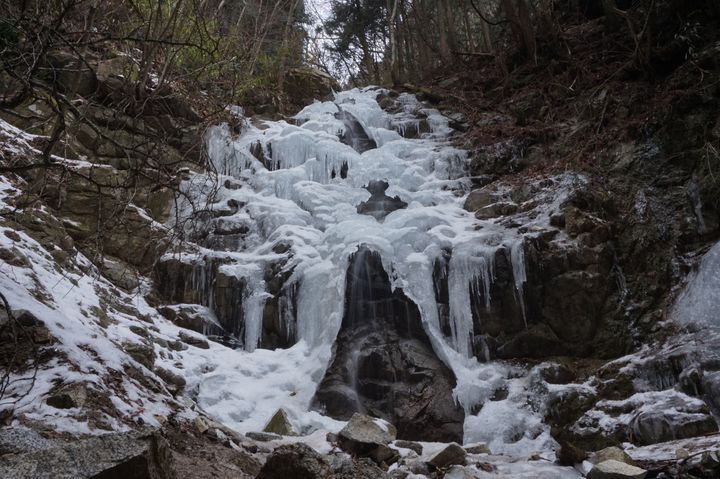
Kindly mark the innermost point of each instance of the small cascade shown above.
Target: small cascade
(384, 364)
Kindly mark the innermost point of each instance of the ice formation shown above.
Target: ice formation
(700, 300)
(299, 186)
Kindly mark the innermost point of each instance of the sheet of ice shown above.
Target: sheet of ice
(699, 302)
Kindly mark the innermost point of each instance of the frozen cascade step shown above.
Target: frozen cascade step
(301, 197)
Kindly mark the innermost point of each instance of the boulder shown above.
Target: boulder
(113, 456)
(297, 461)
(612, 469)
(280, 424)
(614, 453)
(362, 431)
(452, 454)
(396, 374)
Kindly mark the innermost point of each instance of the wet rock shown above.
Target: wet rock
(384, 363)
(379, 205)
(297, 461)
(612, 469)
(453, 454)
(280, 424)
(113, 456)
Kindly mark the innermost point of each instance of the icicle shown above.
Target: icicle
(517, 258)
(470, 272)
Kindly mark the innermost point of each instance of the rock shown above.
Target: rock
(480, 198)
(201, 424)
(394, 359)
(612, 469)
(280, 424)
(382, 454)
(363, 430)
(175, 382)
(263, 436)
(119, 273)
(412, 445)
(303, 85)
(113, 456)
(614, 453)
(195, 317)
(459, 472)
(363, 468)
(477, 449)
(569, 454)
(453, 454)
(379, 205)
(144, 353)
(193, 340)
(73, 395)
(20, 440)
(297, 461)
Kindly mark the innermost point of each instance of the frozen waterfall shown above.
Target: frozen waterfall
(298, 186)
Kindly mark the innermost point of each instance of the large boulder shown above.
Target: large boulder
(363, 431)
(297, 461)
(114, 456)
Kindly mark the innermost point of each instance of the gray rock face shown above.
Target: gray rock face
(384, 363)
(612, 469)
(379, 205)
(117, 456)
(297, 461)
